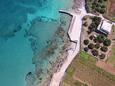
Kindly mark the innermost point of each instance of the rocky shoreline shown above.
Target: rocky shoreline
(56, 66)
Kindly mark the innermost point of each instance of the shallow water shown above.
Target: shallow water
(26, 27)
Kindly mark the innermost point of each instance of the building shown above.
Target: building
(105, 27)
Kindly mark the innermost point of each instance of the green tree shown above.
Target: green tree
(91, 37)
(100, 38)
(85, 24)
(102, 56)
(107, 42)
(104, 49)
(91, 46)
(95, 52)
(86, 49)
(97, 46)
(86, 41)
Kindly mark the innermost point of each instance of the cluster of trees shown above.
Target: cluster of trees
(100, 38)
(101, 42)
(94, 50)
(95, 22)
(107, 42)
(97, 6)
(97, 46)
(103, 39)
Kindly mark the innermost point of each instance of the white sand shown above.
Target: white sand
(74, 33)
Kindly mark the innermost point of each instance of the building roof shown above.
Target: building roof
(106, 26)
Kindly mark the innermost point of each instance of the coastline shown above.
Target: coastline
(61, 41)
(79, 13)
(57, 76)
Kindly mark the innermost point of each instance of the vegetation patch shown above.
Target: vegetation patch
(84, 55)
(98, 6)
(71, 71)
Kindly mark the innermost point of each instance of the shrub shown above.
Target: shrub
(95, 40)
(89, 32)
(102, 56)
(85, 24)
(102, 10)
(86, 42)
(100, 38)
(103, 6)
(100, 1)
(86, 49)
(92, 27)
(97, 20)
(95, 52)
(104, 49)
(91, 46)
(107, 42)
(97, 46)
(91, 37)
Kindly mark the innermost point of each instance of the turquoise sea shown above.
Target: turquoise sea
(27, 34)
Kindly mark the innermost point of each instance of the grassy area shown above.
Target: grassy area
(113, 19)
(71, 71)
(77, 83)
(84, 68)
(84, 55)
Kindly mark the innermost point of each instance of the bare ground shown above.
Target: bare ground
(85, 71)
(107, 67)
